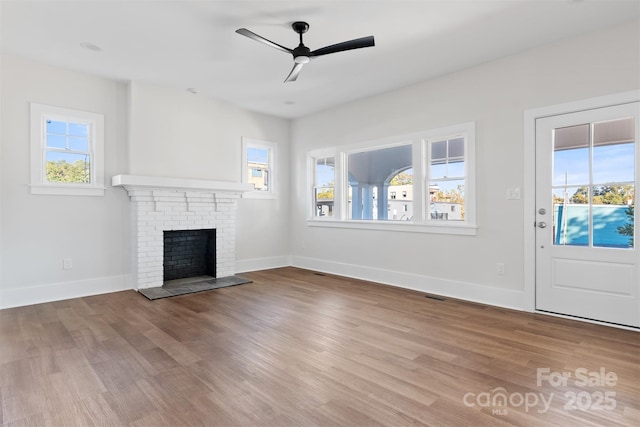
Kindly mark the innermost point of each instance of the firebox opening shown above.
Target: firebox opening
(189, 253)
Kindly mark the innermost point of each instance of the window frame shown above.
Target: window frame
(466, 131)
(40, 113)
(312, 158)
(247, 143)
(421, 222)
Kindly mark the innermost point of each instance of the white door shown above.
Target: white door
(587, 260)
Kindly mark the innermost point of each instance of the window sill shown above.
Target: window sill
(259, 195)
(64, 190)
(404, 226)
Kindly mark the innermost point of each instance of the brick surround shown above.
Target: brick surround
(163, 204)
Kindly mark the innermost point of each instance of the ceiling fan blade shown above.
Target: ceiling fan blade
(348, 45)
(261, 39)
(293, 75)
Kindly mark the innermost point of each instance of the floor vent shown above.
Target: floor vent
(435, 297)
(319, 274)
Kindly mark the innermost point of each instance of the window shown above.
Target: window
(66, 151)
(372, 185)
(371, 175)
(446, 178)
(593, 184)
(257, 166)
(324, 186)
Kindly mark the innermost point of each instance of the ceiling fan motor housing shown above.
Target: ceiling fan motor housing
(301, 54)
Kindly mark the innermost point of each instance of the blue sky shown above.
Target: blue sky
(611, 163)
(67, 136)
(257, 155)
(324, 175)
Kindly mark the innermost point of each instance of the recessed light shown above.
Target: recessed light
(192, 90)
(91, 47)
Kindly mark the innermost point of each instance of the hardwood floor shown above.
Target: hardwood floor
(296, 348)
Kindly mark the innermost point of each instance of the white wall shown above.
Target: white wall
(176, 133)
(148, 131)
(495, 96)
(38, 231)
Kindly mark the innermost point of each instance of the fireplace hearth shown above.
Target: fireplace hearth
(191, 285)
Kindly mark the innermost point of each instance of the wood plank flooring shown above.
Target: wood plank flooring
(295, 348)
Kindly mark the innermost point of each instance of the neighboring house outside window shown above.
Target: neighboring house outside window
(446, 178)
(258, 166)
(67, 151)
(375, 177)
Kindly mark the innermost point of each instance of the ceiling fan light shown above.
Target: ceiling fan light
(301, 59)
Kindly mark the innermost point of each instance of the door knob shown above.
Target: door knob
(542, 224)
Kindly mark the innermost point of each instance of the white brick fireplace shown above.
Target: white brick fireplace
(161, 204)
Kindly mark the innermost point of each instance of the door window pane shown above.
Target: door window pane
(571, 155)
(571, 216)
(571, 167)
(613, 163)
(613, 221)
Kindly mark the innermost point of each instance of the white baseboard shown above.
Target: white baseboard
(255, 264)
(433, 285)
(17, 297)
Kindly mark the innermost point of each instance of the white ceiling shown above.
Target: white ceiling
(193, 44)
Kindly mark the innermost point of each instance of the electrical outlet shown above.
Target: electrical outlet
(67, 263)
(500, 268)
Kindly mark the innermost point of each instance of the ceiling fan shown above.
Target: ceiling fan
(302, 54)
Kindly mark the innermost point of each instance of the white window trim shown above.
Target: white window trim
(271, 146)
(39, 185)
(421, 222)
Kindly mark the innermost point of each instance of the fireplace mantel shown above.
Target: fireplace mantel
(160, 182)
